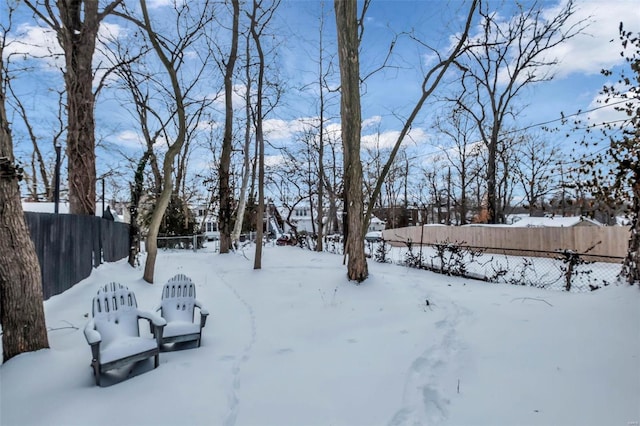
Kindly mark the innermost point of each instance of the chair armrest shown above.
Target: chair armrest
(157, 320)
(156, 324)
(203, 311)
(91, 334)
(203, 314)
(93, 338)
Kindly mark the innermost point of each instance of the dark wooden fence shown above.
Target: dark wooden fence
(70, 246)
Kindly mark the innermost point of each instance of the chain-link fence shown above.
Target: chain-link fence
(559, 270)
(182, 242)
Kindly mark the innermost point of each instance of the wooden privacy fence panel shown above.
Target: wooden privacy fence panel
(69, 246)
(605, 240)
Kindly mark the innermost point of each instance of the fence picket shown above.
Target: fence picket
(70, 246)
(605, 240)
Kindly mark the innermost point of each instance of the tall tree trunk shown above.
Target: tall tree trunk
(246, 166)
(492, 197)
(226, 197)
(21, 309)
(257, 262)
(174, 149)
(136, 195)
(78, 40)
(320, 214)
(347, 28)
(77, 30)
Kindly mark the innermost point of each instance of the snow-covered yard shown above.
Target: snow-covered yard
(296, 344)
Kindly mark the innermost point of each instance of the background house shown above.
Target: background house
(526, 221)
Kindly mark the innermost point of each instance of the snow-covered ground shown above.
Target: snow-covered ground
(296, 344)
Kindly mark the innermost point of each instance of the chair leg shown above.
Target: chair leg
(96, 374)
(156, 361)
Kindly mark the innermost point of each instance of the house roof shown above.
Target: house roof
(526, 221)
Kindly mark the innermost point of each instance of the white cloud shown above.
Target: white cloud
(237, 97)
(129, 138)
(40, 43)
(388, 138)
(369, 122)
(606, 112)
(594, 50)
(157, 4)
(31, 41)
(597, 45)
(132, 139)
(284, 130)
(208, 125)
(274, 160)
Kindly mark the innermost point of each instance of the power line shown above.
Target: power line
(544, 123)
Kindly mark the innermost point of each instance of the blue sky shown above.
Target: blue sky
(389, 94)
(577, 78)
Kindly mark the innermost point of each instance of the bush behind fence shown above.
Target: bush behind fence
(561, 269)
(70, 246)
(557, 270)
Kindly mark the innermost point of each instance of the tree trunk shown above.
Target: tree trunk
(136, 194)
(226, 197)
(76, 30)
(246, 166)
(21, 308)
(492, 199)
(257, 262)
(320, 214)
(78, 39)
(174, 149)
(347, 28)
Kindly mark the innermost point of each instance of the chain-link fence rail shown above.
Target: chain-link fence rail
(182, 242)
(333, 244)
(558, 270)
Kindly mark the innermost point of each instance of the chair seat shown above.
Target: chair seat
(125, 347)
(177, 328)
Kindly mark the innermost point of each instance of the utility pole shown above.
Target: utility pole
(449, 196)
(56, 192)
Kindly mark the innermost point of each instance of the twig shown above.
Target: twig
(532, 298)
(63, 328)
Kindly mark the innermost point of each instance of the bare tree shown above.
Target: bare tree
(21, 308)
(348, 44)
(41, 180)
(260, 17)
(225, 193)
(246, 152)
(134, 83)
(323, 72)
(351, 119)
(429, 84)
(76, 27)
(507, 56)
(506, 175)
(462, 153)
(171, 51)
(536, 162)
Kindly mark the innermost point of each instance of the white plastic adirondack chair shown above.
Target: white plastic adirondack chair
(178, 309)
(114, 333)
